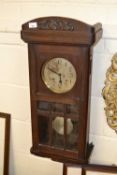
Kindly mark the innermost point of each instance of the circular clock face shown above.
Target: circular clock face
(59, 75)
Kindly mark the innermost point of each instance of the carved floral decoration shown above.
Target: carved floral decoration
(57, 24)
(110, 94)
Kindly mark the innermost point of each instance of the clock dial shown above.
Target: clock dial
(59, 75)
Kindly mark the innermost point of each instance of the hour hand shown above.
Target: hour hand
(60, 81)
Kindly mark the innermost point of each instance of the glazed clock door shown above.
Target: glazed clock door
(58, 126)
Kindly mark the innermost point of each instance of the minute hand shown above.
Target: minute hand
(54, 71)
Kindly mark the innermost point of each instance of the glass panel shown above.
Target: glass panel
(72, 134)
(43, 105)
(43, 125)
(54, 129)
(57, 107)
(72, 109)
(58, 132)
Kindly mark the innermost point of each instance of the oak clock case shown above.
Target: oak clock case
(59, 51)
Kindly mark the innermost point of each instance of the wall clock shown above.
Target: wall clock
(60, 56)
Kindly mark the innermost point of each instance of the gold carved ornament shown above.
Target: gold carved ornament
(110, 94)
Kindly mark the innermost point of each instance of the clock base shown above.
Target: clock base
(68, 156)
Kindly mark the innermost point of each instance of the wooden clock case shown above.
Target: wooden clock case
(48, 38)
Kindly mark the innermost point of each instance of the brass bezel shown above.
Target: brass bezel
(48, 85)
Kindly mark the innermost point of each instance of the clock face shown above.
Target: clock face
(59, 75)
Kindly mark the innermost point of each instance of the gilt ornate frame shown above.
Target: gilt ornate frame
(110, 94)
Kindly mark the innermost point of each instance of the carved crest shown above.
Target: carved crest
(57, 24)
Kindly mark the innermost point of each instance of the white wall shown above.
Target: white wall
(14, 80)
